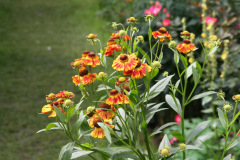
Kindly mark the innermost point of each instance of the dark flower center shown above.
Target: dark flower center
(83, 71)
(95, 122)
(123, 57)
(162, 30)
(91, 54)
(113, 92)
(186, 41)
(138, 63)
(105, 105)
(54, 103)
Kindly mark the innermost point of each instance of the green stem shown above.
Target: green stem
(105, 86)
(157, 50)
(135, 84)
(160, 52)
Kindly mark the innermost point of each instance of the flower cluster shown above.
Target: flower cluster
(62, 99)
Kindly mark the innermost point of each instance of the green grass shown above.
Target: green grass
(29, 70)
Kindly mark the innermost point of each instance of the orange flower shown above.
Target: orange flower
(126, 87)
(91, 36)
(86, 79)
(121, 80)
(105, 114)
(92, 60)
(111, 48)
(125, 62)
(161, 32)
(80, 60)
(111, 42)
(117, 36)
(98, 132)
(66, 94)
(51, 97)
(50, 109)
(139, 70)
(186, 47)
(60, 100)
(116, 98)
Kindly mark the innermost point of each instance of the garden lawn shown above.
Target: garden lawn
(39, 39)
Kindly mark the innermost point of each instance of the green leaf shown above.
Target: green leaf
(193, 147)
(162, 127)
(208, 110)
(164, 142)
(77, 108)
(206, 100)
(189, 69)
(124, 156)
(228, 157)
(176, 86)
(160, 57)
(60, 114)
(221, 118)
(176, 57)
(80, 153)
(151, 114)
(195, 75)
(126, 46)
(147, 74)
(210, 149)
(52, 128)
(154, 72)
(175, 105)
(234, 119)
(184, 61)
(155, 45)
(78, 123)
(213, 50)
(179, 136)
(200, 127)
(49, 126)
(102, 87)
(134, 45)
(113, 150)
(160, 85)
(202, 95)
(149, 33)
(66, 151)
(235, 142)
(106, 131)
(144, 55)
(199, 68)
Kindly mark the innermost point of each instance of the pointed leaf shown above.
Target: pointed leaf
(213, 50)
(200, 127)
(189, 69)
(164, 142)
(202, 95)
(221, 118)
(179, 136)
(210, 149)
(80, 154)
(195, 75)
(176, 57)
(228, 157)
(66, 151)
(106, 131)
(193, 147)
(235, 142)
(176, 106)
(60, 114)
(49, 126)
(78, 123)
(160, 85)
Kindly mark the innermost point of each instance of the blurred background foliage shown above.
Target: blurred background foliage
(39, 40)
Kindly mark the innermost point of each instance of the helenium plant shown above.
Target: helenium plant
(122, 113)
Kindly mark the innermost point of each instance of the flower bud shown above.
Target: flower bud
(51, 95)
(114, 25)
(203, 35)
(156, 64)
(236, 97)
(165, 152)
(102, 74)
(77, 63)
(135, 29)
(165, 74)
(66, 93)
(166, 147)
(122, 33)
(220, 95)
(91, 36)
(172, 44)
(68, 102)
(183, 20)
(218, 42)
(90, 110)
(132, 19)
(227, 107)
(149, 17)
(122, 79)
(182, 146)
(140, 38)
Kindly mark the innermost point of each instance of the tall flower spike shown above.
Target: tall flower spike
(186, 47)
(125, 62)
(116, 98)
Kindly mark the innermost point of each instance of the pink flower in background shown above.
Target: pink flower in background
(166, 22)
(155, 9)
(173, 140)
(168, 14)
(164, 10)
(178, 119)
(238, 134)
(210, 20)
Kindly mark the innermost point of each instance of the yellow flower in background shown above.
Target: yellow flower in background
(224, 56)
(190, 60)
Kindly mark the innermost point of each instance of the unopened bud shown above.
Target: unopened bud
(165, 74)
(156, 64)
(122, 33)
(172, 44)
(182, 146)
(227, 107)
(68, 102)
